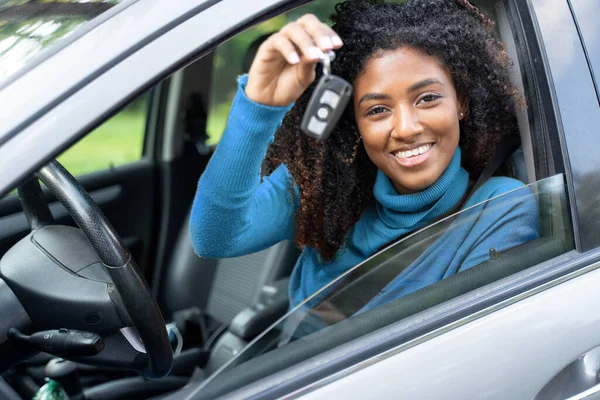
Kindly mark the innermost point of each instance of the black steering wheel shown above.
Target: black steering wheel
(85, 279)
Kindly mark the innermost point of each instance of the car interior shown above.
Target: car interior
(216, 307)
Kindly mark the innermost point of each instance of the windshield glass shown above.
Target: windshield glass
(323, 321)
(29, 27)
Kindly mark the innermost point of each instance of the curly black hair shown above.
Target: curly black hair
(336, 177)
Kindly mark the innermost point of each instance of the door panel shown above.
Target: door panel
(577, 105)
(125, 195)
(509, 354)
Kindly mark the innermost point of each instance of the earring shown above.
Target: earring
(462, 115)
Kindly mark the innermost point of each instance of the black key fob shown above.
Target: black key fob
(326, 105)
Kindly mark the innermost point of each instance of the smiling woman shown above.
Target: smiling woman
(431, 104)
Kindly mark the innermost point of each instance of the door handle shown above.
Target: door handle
(578, 380)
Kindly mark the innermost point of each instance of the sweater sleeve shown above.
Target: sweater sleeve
(234, 213)
(505, 221)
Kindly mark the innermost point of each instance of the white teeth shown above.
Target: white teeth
(414, 152)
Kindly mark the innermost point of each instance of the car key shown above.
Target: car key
(327, 103)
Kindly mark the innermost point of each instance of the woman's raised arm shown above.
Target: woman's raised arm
(233, 212)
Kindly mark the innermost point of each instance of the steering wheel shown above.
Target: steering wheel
(85, 279)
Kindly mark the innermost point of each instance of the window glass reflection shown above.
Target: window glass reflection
(28, 27)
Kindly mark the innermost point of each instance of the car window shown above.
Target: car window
(376, 292)
(118, 141)
(29, 28)
(234, 58)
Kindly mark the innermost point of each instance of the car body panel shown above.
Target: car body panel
(488, 358)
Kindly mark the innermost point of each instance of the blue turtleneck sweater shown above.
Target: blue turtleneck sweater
(234, 213)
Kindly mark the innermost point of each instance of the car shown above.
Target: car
(101, 291)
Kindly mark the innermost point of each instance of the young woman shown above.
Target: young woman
(431, 101)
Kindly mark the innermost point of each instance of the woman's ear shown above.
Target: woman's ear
(463, 108)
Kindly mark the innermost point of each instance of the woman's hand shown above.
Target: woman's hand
(284, 65)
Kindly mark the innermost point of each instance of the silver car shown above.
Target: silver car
(100, 290)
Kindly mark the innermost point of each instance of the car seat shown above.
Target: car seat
(219, 289)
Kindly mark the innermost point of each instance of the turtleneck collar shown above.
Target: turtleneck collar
(416, 209)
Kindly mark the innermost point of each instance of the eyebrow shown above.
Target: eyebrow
(414, 87)
(423, 83)
(374, 96)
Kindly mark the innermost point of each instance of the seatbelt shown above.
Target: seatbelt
(505, 149)
(349, 302)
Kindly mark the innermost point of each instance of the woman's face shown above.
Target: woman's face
(407, 113)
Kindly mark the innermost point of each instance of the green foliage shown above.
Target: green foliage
(118, 141)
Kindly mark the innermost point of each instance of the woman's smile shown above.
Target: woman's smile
(414, 156)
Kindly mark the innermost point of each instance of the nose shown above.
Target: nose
(407, 125)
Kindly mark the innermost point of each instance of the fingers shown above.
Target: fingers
(302, 40)
(287, 49)
(322, 35)
(307, 39)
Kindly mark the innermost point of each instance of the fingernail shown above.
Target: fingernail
(326, 43)
(337, 41)
(293, 58)
(315, 53)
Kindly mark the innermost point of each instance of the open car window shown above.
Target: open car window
(372, 295)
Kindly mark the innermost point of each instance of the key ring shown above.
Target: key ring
(326, 60)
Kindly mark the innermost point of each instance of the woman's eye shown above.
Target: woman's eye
(429, 98)
(376, 110)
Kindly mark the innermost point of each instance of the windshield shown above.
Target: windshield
(323, 321)
(28, 28)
